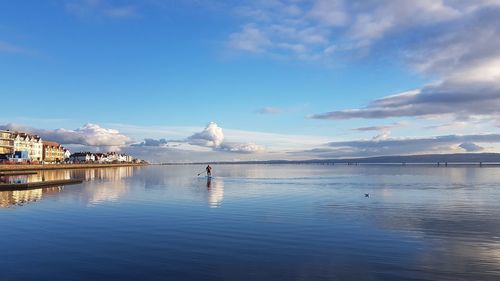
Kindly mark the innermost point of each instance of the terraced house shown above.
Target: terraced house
(53, 152)
(6, 144)
(31, 144)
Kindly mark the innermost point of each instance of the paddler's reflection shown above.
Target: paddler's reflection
(209, 183)
(215, 191)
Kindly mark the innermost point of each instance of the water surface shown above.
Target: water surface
(255, 222)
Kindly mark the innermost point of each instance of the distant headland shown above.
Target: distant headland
(435, 159)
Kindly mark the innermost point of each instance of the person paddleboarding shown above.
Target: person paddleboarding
(209, 171)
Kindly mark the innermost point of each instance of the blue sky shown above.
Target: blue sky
(283, 79)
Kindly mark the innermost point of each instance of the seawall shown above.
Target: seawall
(15, 167)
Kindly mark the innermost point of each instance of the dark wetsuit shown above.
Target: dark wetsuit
(209, 170)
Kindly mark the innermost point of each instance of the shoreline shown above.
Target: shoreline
(39, 167)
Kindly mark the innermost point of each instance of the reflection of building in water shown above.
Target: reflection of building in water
(39, 176)
(14, 179)
(112, 174)
(53, 175)
(110, 189)
(105, 192)
(215, 192)
(20, 197)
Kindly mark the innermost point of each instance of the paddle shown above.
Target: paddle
(200, 173)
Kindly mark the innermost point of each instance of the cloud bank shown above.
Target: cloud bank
(241, 147)
(152, 143)
(403, 146)
(459, 99)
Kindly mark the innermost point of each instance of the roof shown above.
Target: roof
(24, 136)
(81, 154)
(50, 143)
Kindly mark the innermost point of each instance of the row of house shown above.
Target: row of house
(109, 157)
(22, 147)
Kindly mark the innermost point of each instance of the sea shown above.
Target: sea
(255, 222)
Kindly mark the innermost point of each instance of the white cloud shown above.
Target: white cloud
(210, 139)
(152, 142)
(329, 12)
(460, 99)
(282, 30)
(211, 136)
(175, 135)
(91, 135)
(241, 147)
(94, 135)
(385, 134)
(373, 22)
(250, 39)
(454, 42)
(349, 25)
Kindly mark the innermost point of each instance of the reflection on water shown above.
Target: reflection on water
(21, 197)
(215, 188)
(111, 186)
(102, 185)
(257, 222)
(114, 174)
(39, 176)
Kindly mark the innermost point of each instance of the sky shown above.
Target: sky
(191, 80)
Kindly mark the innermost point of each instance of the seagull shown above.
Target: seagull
(367, 194)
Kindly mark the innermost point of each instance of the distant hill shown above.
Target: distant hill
(425, 158)
(458, 158)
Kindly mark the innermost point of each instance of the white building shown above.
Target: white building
(104, 158)
(67, 154)
(122, 158)
(29, 143)
(129, 158)
(82, 157)
(111, 157)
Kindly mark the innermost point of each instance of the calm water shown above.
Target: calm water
(256, 222)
